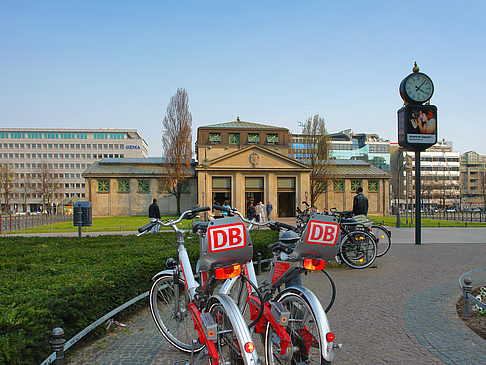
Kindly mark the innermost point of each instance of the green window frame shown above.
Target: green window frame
(143, 186)
(123, 186)
(162, 186)
(338, 185)
(356, 184)
(234, 138)
(215, 137)
(373, 185)
(253, 138)
(272, 138)
(103, 185)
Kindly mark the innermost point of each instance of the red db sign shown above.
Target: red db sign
(322, 233)
(227, 237)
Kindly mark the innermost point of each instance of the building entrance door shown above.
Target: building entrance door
(286, 204)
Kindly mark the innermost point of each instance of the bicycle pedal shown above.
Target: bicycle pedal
(280, 313)
(210, 327)
(338, 260)
(337, 346)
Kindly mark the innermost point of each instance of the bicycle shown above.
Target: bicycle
(383, 238)
(176, 297)
(357, 248)
(293, 324)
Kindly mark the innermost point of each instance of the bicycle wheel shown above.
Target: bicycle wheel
(175, 323)
(383, 239)
(358, 249)
(227, 346)
(303, 330)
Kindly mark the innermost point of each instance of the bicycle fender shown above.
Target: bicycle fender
(162, 273)
(238, 322)
(321, 317)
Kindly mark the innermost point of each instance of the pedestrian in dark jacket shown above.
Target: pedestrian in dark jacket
(251, 211)
(360, 203)
(154, 211)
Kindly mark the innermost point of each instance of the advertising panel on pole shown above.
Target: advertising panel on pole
(417, 126)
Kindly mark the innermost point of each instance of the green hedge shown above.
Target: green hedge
(71, 282)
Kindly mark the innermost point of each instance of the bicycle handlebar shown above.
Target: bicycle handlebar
(188, 214)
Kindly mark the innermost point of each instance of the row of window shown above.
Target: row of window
(143, 186)
(53, 135)
(60, 146)
(338, 185)
(234, 138)
(54, 195)
(61, 156)
(60, 175)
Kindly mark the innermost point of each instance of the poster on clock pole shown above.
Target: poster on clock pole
(417, 126)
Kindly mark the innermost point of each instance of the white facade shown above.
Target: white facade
(68, 152)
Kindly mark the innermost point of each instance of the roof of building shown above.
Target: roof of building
(357, 168)
(238, 124)
(152, 166)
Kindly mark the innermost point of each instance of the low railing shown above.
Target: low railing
(13, 223)
(479, 217)
(466, 287)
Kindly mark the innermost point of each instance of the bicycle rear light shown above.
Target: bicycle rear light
(313, 264)
(330, 337)
(227, 272)
(249, 347)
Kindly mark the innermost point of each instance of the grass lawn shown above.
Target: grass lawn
(104, 224)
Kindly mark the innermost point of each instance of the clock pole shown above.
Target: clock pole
(417, 128)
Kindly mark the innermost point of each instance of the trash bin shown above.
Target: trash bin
(85, 209)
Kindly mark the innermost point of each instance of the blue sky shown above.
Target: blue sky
(116, 64)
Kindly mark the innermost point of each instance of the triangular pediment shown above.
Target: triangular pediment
(255, 157)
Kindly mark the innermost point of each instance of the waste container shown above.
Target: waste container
(85, 209)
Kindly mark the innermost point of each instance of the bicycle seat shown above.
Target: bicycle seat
(199, 226)
(278, 247)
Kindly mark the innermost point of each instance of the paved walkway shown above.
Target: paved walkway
(400, 311)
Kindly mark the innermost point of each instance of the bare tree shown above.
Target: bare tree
(177, 144)
(44, 184)
(316, 155)
(7, 178)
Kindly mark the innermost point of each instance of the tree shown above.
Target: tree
(177, 144)
(44, 184)
(316, 155)
(7, 177)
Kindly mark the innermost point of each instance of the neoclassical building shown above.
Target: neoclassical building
(241, 162)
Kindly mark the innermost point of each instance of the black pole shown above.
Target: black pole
(418, 222)
(80, 221)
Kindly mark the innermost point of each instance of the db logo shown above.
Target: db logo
(322, 233)
(228, 237)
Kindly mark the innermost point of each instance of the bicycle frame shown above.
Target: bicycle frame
(184, 265)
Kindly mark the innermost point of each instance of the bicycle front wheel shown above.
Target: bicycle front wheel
(172, 317)
(383, 239)
(303, 331)
(358, 249)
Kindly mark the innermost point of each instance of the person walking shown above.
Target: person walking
(360, 203)
(154, 212)
(269, 208)
(260, 208)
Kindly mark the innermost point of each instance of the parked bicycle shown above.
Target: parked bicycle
(293, 323)
(190, 316)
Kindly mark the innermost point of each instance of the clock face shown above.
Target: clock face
(418, 87)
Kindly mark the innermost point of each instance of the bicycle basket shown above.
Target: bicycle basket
(227, 242)
(320, 238)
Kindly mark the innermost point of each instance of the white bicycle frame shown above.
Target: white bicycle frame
(234, 315)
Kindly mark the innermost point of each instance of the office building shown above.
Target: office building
(62, 155)
(473, 180)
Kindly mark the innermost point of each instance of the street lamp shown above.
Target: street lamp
(400, 171)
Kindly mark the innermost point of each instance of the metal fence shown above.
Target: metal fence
(466, 287)
(456, 216)
(13, 223)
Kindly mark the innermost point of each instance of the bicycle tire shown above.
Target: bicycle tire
(227, 346)
(176, 325)
(383, 239)
(303, 330)
(358, 249)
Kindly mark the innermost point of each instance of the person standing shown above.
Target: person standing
(226, 205)
(261, 212)
(269, 209)
(251, 211)
(360, 203)
(154, 211)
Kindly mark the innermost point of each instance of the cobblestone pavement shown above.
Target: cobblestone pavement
(400, 311)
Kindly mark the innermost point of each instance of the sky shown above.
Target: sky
(116, 64)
